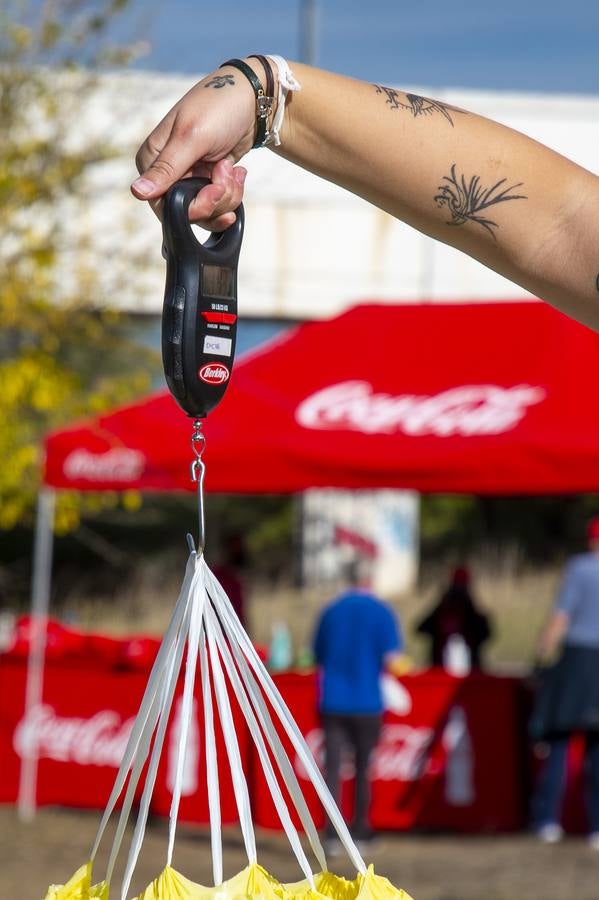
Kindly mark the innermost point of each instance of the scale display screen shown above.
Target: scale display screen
(218, 281)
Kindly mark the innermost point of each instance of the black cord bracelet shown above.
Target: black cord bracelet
(263, 102)
(270, 78)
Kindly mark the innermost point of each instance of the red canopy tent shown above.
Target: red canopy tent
(484, 398)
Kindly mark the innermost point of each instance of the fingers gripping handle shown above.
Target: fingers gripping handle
(177, 227)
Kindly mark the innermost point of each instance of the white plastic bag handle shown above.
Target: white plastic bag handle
(198, 599)
(240, 787)
(271, 778)
(279, 753)
(212, 779)
(148, 711)
(144, 806)
(226, 610)
(204, 620)
(138, 764)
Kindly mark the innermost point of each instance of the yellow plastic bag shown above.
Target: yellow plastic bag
(252, 881)
(205, 625)
(79, 887)
(256, 882)
(376, 887)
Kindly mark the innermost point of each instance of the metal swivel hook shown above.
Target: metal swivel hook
(197, 471)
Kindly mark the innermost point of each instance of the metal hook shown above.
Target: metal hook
(197, 471)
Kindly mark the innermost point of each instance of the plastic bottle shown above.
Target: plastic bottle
(456, 656)
(459, 764)
(280, 654)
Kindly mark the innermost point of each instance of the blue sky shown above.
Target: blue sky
(528, 45)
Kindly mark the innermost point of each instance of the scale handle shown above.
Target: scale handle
(176, 226)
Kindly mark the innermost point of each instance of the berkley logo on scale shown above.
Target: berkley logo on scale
(213, 373)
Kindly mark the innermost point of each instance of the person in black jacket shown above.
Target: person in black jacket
(456, 613)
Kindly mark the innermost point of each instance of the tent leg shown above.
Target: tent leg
(40, 599)
(297, 538)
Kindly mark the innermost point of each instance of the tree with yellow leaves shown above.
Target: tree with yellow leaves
(63, 355)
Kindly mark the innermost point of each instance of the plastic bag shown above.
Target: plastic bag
(256, 882)
(251, 882)
(79, 887)
(204, 623)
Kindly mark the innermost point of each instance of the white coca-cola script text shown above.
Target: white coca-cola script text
(97, 741)
(401, 754)
(117, 464)
(466, 410)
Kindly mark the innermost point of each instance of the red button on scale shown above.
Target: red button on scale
(219, 318)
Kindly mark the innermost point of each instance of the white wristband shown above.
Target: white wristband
(287, 82)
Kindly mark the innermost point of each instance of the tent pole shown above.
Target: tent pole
(40, 600)
(298, 541)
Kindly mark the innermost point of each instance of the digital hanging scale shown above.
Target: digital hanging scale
(199, 316)
(199, 319)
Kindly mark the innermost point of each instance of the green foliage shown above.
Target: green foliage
(62, 355)
(540, 530)
(448, 516)
(266, 525)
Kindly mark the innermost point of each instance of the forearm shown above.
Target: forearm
(501, 197)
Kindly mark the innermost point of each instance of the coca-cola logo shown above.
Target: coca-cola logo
(466, 410)
(212, 374)
(117, 464)
(97, 741)
(400, 755)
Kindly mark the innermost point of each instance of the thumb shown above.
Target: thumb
(173, 162)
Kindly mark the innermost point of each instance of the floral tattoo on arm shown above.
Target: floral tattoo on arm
(220, 81)
(468, 200)
(417, 105)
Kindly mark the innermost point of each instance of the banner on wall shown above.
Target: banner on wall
(379, 526)
(451, 755)
(79, 734)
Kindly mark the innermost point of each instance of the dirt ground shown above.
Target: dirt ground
(429, 867)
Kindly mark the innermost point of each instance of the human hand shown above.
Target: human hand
(398, 664)
(204, 134)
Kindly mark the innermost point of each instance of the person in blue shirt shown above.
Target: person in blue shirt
(357, 637)
(568, 700)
